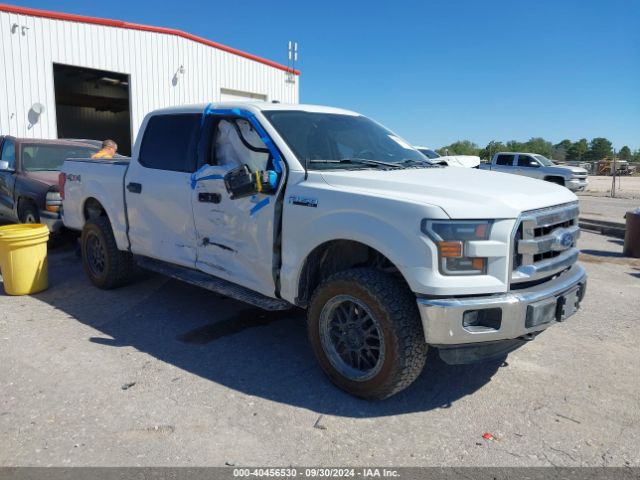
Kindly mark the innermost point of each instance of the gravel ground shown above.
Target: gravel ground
(626, 187)
(606, 208)
(163, 373)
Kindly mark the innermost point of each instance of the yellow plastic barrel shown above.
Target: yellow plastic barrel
(23, 258)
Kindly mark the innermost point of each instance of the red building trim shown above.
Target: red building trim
(34, 12)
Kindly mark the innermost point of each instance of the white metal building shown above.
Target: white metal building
(71, 76)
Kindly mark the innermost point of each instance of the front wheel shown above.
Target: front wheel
(105, 265)
(365, 331)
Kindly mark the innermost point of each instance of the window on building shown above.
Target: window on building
(169, 142)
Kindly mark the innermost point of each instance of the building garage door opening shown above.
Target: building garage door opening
(93, 104)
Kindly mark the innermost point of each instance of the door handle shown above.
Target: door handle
(134, 187)
(209, 197)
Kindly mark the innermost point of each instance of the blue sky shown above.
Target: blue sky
(437, 71)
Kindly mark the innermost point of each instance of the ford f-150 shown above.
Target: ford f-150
(321, 208)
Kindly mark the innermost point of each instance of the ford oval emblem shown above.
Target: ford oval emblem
(566, 240)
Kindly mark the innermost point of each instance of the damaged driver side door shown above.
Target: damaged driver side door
(235, 233)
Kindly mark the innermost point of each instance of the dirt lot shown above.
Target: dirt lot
(163, 373)
(626, 187)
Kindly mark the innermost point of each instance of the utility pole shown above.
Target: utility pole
(613, 175)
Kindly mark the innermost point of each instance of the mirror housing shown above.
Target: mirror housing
(242, 182)
(4, 165)
(533, 163)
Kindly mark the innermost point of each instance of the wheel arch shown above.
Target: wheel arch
(337, 255)
(93, 207)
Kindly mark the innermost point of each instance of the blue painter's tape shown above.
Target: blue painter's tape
(273, 179)
(259, 206)
(195, 179)
(210, 177)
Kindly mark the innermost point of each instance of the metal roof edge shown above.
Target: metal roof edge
(71, 17)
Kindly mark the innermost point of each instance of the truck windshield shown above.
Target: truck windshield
(331, 141)
(42, 157)
(544, 160)
(429, 153)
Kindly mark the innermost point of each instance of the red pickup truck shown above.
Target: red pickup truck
(29, 178)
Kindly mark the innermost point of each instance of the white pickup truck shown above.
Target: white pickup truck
(292, 205)
(540, 167)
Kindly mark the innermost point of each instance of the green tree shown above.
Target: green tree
(625, 153)
(560, 149)
(540, 146)
(578, 150)
(599, 148)
(491, 149)
(564, 144)
(461, 147)
(515, 146)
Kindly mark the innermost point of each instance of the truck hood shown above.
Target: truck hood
(48, 177)
(463, 193)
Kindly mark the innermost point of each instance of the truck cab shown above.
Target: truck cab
(306, 206)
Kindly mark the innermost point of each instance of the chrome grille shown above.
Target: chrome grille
(545, 242)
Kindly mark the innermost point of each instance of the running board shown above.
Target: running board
(215, 284)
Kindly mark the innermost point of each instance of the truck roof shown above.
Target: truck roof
(517, 153)
(254, 105)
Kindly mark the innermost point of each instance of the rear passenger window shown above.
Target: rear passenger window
(169, 142)
(505, 160)
(524, 160)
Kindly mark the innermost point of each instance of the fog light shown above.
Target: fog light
(482, 320)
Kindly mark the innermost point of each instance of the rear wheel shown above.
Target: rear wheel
(105, 265)
(365, 331)
(28, 213)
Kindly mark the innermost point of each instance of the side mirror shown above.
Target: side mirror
(242, 182)
(533, 163)
(4, 165)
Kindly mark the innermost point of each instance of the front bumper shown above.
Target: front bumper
(51, 220)
(539, 306)
(576, 185)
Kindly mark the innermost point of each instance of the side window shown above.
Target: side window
(525, 161)
(169, 142)
(237, 143)
(505, 160)
(9, 153)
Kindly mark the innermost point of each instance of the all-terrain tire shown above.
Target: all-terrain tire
(105, 265)
(384, 297)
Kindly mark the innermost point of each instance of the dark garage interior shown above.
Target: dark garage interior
(93, 104)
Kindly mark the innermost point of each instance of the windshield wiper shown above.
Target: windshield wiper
(362, 161)
(428, 163)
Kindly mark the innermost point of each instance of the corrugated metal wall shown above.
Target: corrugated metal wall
(30, 45)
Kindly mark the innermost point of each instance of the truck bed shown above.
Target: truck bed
(105, 180)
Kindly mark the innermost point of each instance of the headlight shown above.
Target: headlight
(452, 239)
